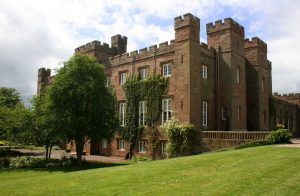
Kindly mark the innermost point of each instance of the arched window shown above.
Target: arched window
(238, 74)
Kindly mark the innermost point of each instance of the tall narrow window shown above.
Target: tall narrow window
(167, 70)
(142, 113)
(238, 74)
(224, 113)
(204, 113)
(263, 84)
(143, 73)
(166, 110)
(104, 143)
(122, 78)
(239, 113)
(121, 144)
(142, 146)
(107, 81)
(204, 71)
(122, 113)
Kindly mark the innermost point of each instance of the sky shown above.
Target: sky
(44, 33)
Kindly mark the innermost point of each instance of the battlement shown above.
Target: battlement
(186, 20)
(95, 45)
(228, 23)
(206, 49)
(255, 42)
(288, 95)
(163, 47)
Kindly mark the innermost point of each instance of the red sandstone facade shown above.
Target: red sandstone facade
(225, 84)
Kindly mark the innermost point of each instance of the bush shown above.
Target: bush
(279, 126)
(4, 151)
(180, 137)
(253, 144)
(2, 143)
(139, 159)
(280, 136)
(4, 162)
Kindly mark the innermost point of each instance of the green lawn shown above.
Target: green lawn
(268, 170)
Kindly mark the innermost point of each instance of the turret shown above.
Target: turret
(43, 76)
(119, 42)
(187, 27)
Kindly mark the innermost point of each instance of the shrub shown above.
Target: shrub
(280, 136)
(56, 148)
(4, 151)
(253, 144)
(180, 137)
(139, 159)
(4, 162)
(279, 126)
(2, 143)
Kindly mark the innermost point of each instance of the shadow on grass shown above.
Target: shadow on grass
(84, 166)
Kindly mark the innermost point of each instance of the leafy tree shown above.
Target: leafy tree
(9, 97)
(44, 131)
(83, 107)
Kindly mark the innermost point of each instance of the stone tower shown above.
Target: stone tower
(228, 39)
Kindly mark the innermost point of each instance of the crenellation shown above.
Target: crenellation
(187, 19)
(255, 42)
(95, 45)
(134, 53)
(228, 23)
(207, 50)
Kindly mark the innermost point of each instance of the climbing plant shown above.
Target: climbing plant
(151, 90)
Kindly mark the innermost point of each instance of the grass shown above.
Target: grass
(266, 170)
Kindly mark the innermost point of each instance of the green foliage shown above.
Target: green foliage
(253, 144)
(279, 126)
(151, 90)
(83, 108)
(9, 97)
(139, 159)
(2, 143)
(180, 137)
(280, 136)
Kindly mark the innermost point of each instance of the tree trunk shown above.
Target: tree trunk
(79, 143)
(47, 146)
(49, 154)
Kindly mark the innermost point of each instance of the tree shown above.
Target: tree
(81, 104)
(43, 121)
(9, 97)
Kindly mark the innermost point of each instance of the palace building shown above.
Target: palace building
(224, 85)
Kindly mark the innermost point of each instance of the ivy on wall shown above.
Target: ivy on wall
(151, 90)
(180, 137)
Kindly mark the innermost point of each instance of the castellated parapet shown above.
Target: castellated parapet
(96, 45)
(228, 23)
(255, 42)
(162, 48)
(187, 19)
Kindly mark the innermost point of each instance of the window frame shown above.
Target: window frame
(204, 71)
(204, 113)
(121, 144)
(142, 146)
(163, 148)
(122, 112)
(122, 78)
(168, 71)
(224, 113)
(166, 110)
(143, 73)
(142, 111)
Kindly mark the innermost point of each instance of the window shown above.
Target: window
(121, 144)
(142, 146)
(104, 143)
(163, 148)
(166, 110)
(142, 113)
(204, 113)
(143, 73)
(167, 70)
(263, 84)
(122, 113)
(107, 81)
(238, 72)
(204, 71)
(224, 113)
(122, 78)
(239, 113)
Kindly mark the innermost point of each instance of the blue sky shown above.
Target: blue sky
(44, 33)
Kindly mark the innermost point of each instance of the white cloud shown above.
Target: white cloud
(37, 33)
